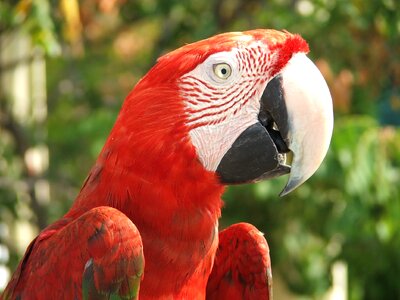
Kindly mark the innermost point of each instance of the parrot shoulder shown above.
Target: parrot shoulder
(242, 267)
(98, 255)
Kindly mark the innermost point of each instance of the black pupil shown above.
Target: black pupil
(224, 71)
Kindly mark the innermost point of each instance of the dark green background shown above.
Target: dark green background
(349, 210)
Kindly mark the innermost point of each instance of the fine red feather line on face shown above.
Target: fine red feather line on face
(149, 176)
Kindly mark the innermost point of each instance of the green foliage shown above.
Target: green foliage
(10, 172)
(35, 18)
(349, 210)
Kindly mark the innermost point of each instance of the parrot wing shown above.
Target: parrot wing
(99, 255)
(242, 267)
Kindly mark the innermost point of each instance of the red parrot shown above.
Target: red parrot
(224, 110)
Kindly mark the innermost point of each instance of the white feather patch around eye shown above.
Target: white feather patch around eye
(207, 69)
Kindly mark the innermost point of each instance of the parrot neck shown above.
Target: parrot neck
(148, 159)
(153, 185)
(152, 174)
(176, 210)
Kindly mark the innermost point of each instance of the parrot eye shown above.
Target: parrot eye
(222, 70)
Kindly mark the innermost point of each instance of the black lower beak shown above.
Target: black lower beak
(259, 151)
(295, 114)
(252, 157)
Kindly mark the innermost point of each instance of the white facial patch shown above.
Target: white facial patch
(220, 107)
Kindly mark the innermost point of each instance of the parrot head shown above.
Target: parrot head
(248, 99)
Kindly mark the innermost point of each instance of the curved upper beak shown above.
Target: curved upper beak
(295, 116)
(301, 106)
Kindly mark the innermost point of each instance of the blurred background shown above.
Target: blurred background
(66, 66)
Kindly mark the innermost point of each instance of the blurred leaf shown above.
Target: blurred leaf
(349, 210)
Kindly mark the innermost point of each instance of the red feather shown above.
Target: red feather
(242, 267)
(146, 186)
(55, 261)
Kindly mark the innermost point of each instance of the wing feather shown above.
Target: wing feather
(242, 267)
(99, 255)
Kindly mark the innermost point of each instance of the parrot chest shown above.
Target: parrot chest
(179, 260)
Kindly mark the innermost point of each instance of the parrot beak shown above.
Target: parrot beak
(296, 115)
(301, 106)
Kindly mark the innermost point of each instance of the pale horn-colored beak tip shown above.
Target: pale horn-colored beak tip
(310, 117)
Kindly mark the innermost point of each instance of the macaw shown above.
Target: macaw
(224, 110)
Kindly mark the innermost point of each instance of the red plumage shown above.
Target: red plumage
(148, 186)
(242, 267)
